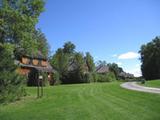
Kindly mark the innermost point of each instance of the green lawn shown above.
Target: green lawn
(100, 101)
(152, 83)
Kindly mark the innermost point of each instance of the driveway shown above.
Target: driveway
(135, 86)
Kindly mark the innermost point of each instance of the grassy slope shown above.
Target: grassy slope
(85, 102)
(153, 83)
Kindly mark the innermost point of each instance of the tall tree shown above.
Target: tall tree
(17, 29)
(90, 62)
(115, 69)
(72, 66)
(17, 22)
(76, 75)
(11, 83)
(150, 58)
(60, 61)
(42, 44)
(68, 48)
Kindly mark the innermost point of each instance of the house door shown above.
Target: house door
(32, 77)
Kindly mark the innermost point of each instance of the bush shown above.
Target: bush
(11, 86)
(111, 77)
(107, 77)
(56, 79)
(88, 78)
(45, 78)
(95, 77)
(11, 83)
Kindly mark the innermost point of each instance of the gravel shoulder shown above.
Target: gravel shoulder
(135, 86)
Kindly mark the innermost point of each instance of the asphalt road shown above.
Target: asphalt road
(135, 86)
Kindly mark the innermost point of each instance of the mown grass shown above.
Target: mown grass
(152, 83)
(99, 101)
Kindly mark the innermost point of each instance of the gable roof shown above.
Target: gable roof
(102, 69)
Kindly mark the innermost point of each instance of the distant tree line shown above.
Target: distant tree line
(72, 66)
(75, 67)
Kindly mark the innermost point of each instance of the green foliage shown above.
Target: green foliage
(76, 71)
(60, 61)
(115, 69)
(91, 77)
(45, 79)
(11, 83)
(72, 66)
(152, 83)
(150, 58)
(68, 48)
(18, 36)
(18, 19)
(56, 78)
(90, 62)
(95, 77)
(42, 44)
(111, 76)
(107, 77)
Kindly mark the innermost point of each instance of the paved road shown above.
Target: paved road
(135, 86)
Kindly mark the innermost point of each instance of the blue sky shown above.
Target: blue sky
(111, 30)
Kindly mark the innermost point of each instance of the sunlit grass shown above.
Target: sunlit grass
(99, 101)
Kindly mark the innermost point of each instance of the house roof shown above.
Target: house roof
(48, 68)
(126, 75)
(43, 69)
(102, 69)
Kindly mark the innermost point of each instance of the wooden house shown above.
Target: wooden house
(124, 75)
(102, 69)
(32, 67)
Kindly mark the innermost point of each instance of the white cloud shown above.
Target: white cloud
(128, 55)
(136, 71)
(119, 63)
(115, 55)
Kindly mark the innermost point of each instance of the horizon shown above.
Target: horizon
(110, 30)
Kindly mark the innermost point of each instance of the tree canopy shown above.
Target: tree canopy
(71, 65)
(11, 83)
(18, 19)
(115, 68)
(150, 58)
(18, 35)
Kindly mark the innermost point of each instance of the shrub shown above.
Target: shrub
(56, 79)
(111, 77)
(107, 77)
(11, 83)
(88, 78)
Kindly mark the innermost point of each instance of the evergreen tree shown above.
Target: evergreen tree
(150, 58)
(11, 83)
(90, 62)
(42, 44)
